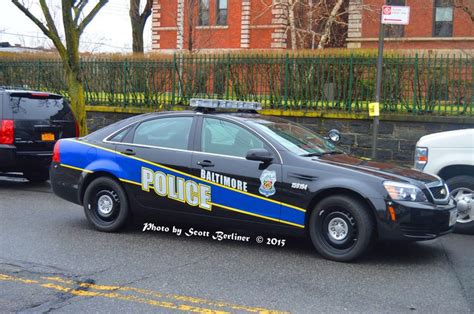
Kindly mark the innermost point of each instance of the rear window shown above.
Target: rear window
(27, 108)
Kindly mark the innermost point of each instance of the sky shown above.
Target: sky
(110, 31)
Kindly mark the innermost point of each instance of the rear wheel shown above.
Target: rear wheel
(341, 228)
(37, 176)
(106, 205)
(462, 190)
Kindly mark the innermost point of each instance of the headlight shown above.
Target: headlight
(421, 157)
(404, 192)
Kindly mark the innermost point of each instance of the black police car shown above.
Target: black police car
(263, 172)
(30, 124)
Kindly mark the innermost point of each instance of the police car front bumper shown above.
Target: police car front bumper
(418, 221)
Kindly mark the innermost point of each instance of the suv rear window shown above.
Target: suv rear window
(26, 107)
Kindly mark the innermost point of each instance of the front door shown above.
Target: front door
(240, 189)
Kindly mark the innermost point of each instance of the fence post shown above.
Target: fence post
(351, 79)
(227, 78)
(287, 70)
(173, 82)
(38, 79)
(415, 85)
(124, 86)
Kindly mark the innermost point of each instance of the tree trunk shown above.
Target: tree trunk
(77, 98)
(291, 20)
(329, 22)
(138, 22)
(137, 37)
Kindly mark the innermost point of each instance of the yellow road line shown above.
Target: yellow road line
(113, 292)
(189, 175)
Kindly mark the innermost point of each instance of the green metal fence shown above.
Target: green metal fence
(439, 85)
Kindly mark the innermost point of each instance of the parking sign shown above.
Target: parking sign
(397, 15)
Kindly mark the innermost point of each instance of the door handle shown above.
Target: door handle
(129, 152)
(205, 163)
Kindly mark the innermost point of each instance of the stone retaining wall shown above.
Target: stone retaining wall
(397, 134)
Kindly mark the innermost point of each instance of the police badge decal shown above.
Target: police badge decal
(267, 186)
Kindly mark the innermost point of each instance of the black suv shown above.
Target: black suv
(30, 124)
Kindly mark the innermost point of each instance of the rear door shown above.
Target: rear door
(156, 160)
(40, 119)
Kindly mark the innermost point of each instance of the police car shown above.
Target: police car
(262, 172)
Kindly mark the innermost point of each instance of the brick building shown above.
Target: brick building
(434, 24)
(217, 24)
(257, 24)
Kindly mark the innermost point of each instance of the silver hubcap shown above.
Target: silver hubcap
(338, 228)
(465, 204)
(105, 204)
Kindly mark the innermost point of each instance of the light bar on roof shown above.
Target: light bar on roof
(226, 104)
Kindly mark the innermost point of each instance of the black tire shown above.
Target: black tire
(112, 198)
(456, 184)
(37, 176)
(335, 211)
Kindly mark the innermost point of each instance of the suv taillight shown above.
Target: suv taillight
(56, 155)
(78, 132)
(6, 132)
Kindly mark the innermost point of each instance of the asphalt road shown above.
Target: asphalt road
(51, 260)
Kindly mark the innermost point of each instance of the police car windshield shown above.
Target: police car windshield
(295, 138)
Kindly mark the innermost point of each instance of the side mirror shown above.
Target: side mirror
(259, 154)
(334, 136)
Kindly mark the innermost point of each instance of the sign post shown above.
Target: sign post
(395, 15)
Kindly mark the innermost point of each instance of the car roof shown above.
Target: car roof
(233, 115)
(17, 89)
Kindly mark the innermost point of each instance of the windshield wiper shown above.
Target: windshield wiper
(332, 152)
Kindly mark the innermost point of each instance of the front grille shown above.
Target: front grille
(439, 192)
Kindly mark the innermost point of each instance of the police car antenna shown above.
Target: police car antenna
(211, 105)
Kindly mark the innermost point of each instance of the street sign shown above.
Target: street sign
(395, 15)
(374, 109)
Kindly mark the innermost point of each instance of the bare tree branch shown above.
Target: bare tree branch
(78, 10)
(33, 18)
(91, 15)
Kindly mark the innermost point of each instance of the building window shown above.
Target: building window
(221, 12)
(443, 18)
(203, 13)
(394, 31)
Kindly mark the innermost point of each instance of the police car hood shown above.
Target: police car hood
(387, 171)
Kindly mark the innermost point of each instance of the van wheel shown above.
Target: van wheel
(106, 205)
(341, 228)
(37, 176)
(462, 190)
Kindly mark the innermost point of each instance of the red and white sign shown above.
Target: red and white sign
(397, 15)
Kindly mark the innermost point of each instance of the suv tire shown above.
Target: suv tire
(37, 176)
(462, 189)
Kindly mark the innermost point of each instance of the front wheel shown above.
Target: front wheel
(341, 228)
(462, 190)
(106, 205)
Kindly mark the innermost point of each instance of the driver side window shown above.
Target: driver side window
(225, 138)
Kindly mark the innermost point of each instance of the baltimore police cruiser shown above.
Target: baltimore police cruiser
(225, 162)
